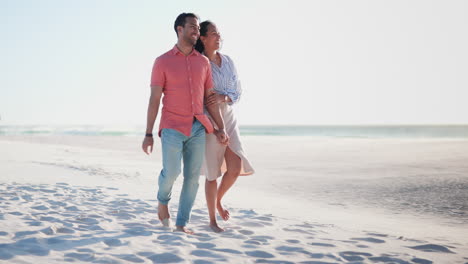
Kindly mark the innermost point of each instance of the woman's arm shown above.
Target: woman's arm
(215, 113)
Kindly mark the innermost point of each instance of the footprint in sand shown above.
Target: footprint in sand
(354, 256)
(246, 232)
(113, 242)
(432, 248)
(232, 235)
(263, 237)
(204, 245)
(56, 203)
(29, 246)
(15, 213)
(34, 223)
(49, 219)
(23, 234)
(377, 235)
(386, 259)
(361, 246)
(348, 241)
(5, 255)
(259, 240)
(259, 254)
(72, 208)
(264, 218)
(248, 212)
(287, 250)
(203, 237)
(85, 250)
(369, 239)
(165, 258)
(138, 231)
(55, 241)
(253, 224)
(130, 258)
(253, 242)
(170, 240)
(298, 230)
(52, 230)
(206, 254)
(421, 261)
(322, 244)
(228, 250)
(47, 191)
(40, 207)
(122, 215)
(309, 225)
(80, 256)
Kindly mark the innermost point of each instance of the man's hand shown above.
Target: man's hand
(215, 98)
(223, 138)
(147, 145)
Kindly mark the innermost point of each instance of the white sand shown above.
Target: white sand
(92, 199)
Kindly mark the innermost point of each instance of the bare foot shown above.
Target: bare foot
(222, 212)
(184, 229)
(163, 214)
(214, 226)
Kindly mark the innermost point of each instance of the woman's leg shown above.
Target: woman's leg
(234, 165)
(211, 189)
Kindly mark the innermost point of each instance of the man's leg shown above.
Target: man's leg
(172, 145)
(193, 153)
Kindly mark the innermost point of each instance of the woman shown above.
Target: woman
(229, 160)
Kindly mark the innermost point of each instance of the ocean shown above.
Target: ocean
(341, 131)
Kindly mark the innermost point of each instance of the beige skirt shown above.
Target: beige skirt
(214, 164)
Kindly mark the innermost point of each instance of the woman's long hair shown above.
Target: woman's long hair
(203, 29)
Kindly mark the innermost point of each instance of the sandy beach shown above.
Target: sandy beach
(91, 199)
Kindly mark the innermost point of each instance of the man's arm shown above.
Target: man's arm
(215, 113)
(153, 108)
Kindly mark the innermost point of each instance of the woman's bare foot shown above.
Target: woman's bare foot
(184, 229)
(222, 212)
(214, 226)
(163, 214)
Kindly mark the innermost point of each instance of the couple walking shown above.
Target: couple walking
(197, 124)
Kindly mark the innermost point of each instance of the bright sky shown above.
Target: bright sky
(300, 62)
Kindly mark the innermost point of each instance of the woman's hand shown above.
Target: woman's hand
(215, 98)
(222, 136)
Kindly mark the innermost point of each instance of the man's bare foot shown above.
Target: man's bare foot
(163, 214)
(222, 212)
(184, 229)
(214, 226)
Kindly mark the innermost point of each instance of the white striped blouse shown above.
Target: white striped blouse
(225, 79)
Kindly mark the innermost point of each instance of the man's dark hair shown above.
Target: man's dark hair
(180, 20)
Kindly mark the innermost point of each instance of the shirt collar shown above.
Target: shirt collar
(176, 51)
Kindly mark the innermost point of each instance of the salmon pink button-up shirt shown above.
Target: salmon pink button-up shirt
(184, 80)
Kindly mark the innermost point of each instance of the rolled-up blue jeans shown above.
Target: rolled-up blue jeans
(176, 147)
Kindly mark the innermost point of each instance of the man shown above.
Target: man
(184, 76)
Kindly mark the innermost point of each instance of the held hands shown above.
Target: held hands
(223, 138)
(147, 145)
(215, 98)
